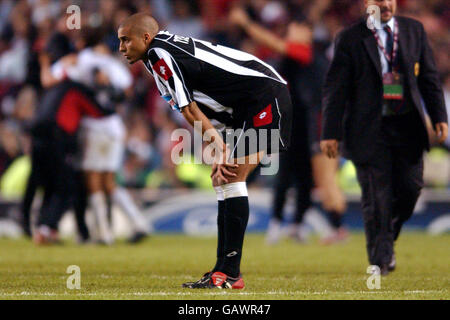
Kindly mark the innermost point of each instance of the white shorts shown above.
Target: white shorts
(103, 143)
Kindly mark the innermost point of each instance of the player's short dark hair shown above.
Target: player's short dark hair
(58, 46)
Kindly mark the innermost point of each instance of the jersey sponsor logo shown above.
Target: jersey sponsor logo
(264, 117)
(162, 69)
(181, 39)
(171, 102)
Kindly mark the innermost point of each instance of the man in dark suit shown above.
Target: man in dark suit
(373, 103)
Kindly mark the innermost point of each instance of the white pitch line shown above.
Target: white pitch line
(245, 293)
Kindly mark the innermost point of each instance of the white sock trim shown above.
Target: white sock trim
(219, 193)
(123, 199)
(234, 190)
(98, 206)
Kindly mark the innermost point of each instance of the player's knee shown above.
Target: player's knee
(109, 186)
(333, 204)
(93, 186)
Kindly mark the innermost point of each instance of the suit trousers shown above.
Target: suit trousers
(391, 183)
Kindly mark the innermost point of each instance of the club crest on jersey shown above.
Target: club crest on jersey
(162, 69)
(264, 117)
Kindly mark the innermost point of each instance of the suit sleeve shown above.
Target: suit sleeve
(429, 83)
(335, 92)
(170, 79)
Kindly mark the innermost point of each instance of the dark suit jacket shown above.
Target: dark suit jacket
(353, 90)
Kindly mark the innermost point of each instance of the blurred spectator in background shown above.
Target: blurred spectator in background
(447, 102)
(183, 22)
(102, 140)
(55, 145)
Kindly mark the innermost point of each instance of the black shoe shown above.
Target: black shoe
(393, 264)
(384, 270)
(26, 228)
(204, 283)
(137, 237)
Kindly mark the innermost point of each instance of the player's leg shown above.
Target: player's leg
(221, 212)
(331, 196)
(58, 192)
(96, 148)
(302, 175)
(30, 191)
(122, 198)
(235, 222)
(273, 114)
(80, 205)
(97, 202)
(282, 184)
(283, 181)
(42, 234)
(232, 223)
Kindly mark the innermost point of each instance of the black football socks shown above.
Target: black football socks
(220, 235)
(335, 219)
(235, 224)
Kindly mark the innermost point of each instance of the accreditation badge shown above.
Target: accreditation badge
(393, 86)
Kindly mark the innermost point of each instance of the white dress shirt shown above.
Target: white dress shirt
(383, 37)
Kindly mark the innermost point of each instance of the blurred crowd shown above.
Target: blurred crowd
(26, 26)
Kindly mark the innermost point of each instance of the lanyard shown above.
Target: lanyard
(389, 57)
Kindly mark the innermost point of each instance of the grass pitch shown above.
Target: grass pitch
(156, 268)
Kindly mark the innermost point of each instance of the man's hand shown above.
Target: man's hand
(441, 129)
(222, 170)
(239, 17)
(299, 33)
(330, 148)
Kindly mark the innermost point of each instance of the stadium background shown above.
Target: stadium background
(173, 196)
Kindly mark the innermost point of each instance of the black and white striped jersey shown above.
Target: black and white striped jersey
(222, 81)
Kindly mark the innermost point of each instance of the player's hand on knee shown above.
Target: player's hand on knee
(225, 172)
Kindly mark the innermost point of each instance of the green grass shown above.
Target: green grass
(156, 268)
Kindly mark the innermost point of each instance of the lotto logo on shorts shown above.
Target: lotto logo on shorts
(263, 118)
(162, 69)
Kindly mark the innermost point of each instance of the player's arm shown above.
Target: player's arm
(192, 114)
(52, 75)
(296, 46)
(47, 78)
(170, 81)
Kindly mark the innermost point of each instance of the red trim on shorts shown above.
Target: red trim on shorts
(264, 117)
